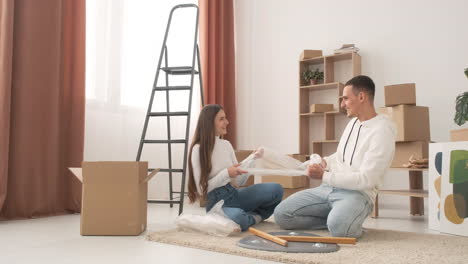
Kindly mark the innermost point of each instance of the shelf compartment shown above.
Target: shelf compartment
(410, 193)
(314, 61)
(306, 91)
(322, 86)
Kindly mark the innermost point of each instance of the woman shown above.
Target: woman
(213, 166)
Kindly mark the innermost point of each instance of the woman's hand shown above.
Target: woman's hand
(235, 171)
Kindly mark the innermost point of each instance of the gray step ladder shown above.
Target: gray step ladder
(170, 70)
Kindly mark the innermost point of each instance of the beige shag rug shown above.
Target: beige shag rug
(376, 246)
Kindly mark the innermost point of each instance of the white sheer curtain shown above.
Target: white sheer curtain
(123, 44)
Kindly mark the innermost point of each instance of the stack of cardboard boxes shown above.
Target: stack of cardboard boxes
(290, 184)
(412, 123)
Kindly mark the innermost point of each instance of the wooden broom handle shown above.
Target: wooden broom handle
(267, 236)
(336, 240)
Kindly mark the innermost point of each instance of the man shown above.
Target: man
(350, 176)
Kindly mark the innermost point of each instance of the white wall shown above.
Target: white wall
(401, 41)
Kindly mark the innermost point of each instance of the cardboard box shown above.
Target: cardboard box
(412, 122)
(459, 135)
(300, 157)
(288, 192)
(404, 150)
(242, 154)
(250, 181)
(309, 54)
(400, 94)
(288, 181)
(114, 200)
(320, 108)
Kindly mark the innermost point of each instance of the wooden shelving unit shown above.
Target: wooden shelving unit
(314, 59)
(416, 193)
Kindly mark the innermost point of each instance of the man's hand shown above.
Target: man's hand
(324, 163)
(235, 171)
(315, 171)
(258, 154)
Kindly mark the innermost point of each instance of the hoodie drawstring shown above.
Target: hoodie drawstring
(346, 144)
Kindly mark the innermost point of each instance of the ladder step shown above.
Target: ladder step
(173, 141)
(168, 113)
(170, 170)
(172, 88)
(180, 70)
(164, 201)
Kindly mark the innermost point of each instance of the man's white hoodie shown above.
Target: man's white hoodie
(363, 156)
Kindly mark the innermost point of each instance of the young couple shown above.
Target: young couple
(350, 177)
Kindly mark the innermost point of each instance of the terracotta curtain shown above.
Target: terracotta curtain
(218, 58)
(42, 100)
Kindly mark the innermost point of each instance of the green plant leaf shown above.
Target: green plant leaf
(461, 109)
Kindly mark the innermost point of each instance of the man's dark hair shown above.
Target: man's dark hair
(362, 83)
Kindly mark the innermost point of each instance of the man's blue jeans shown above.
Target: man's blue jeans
(241, 204)
(342, 211)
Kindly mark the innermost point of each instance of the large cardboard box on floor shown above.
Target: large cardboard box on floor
(114, 200)
(404, 150)
(412, 122)
(400, 94)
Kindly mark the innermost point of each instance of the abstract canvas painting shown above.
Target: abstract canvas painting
(454, 187)
(434, 184)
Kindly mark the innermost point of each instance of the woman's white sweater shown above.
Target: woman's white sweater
(222, 158)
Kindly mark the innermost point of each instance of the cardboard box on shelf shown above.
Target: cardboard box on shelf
(459, 135)
(404, 150)
(114, 197)
(412, 122)
(308, 54)
(399, 94)
(289, 191)
(320, 108)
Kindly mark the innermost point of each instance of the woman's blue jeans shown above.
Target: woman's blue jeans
(241, 204)
(342, 211)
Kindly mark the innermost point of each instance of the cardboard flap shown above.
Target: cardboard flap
(147, 178)
(78, 173)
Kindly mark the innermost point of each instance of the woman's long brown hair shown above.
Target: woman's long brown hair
(204, 136)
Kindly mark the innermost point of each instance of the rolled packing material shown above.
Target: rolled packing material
(285, 172)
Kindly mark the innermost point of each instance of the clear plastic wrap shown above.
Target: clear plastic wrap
(213, 223)
(274, 163)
